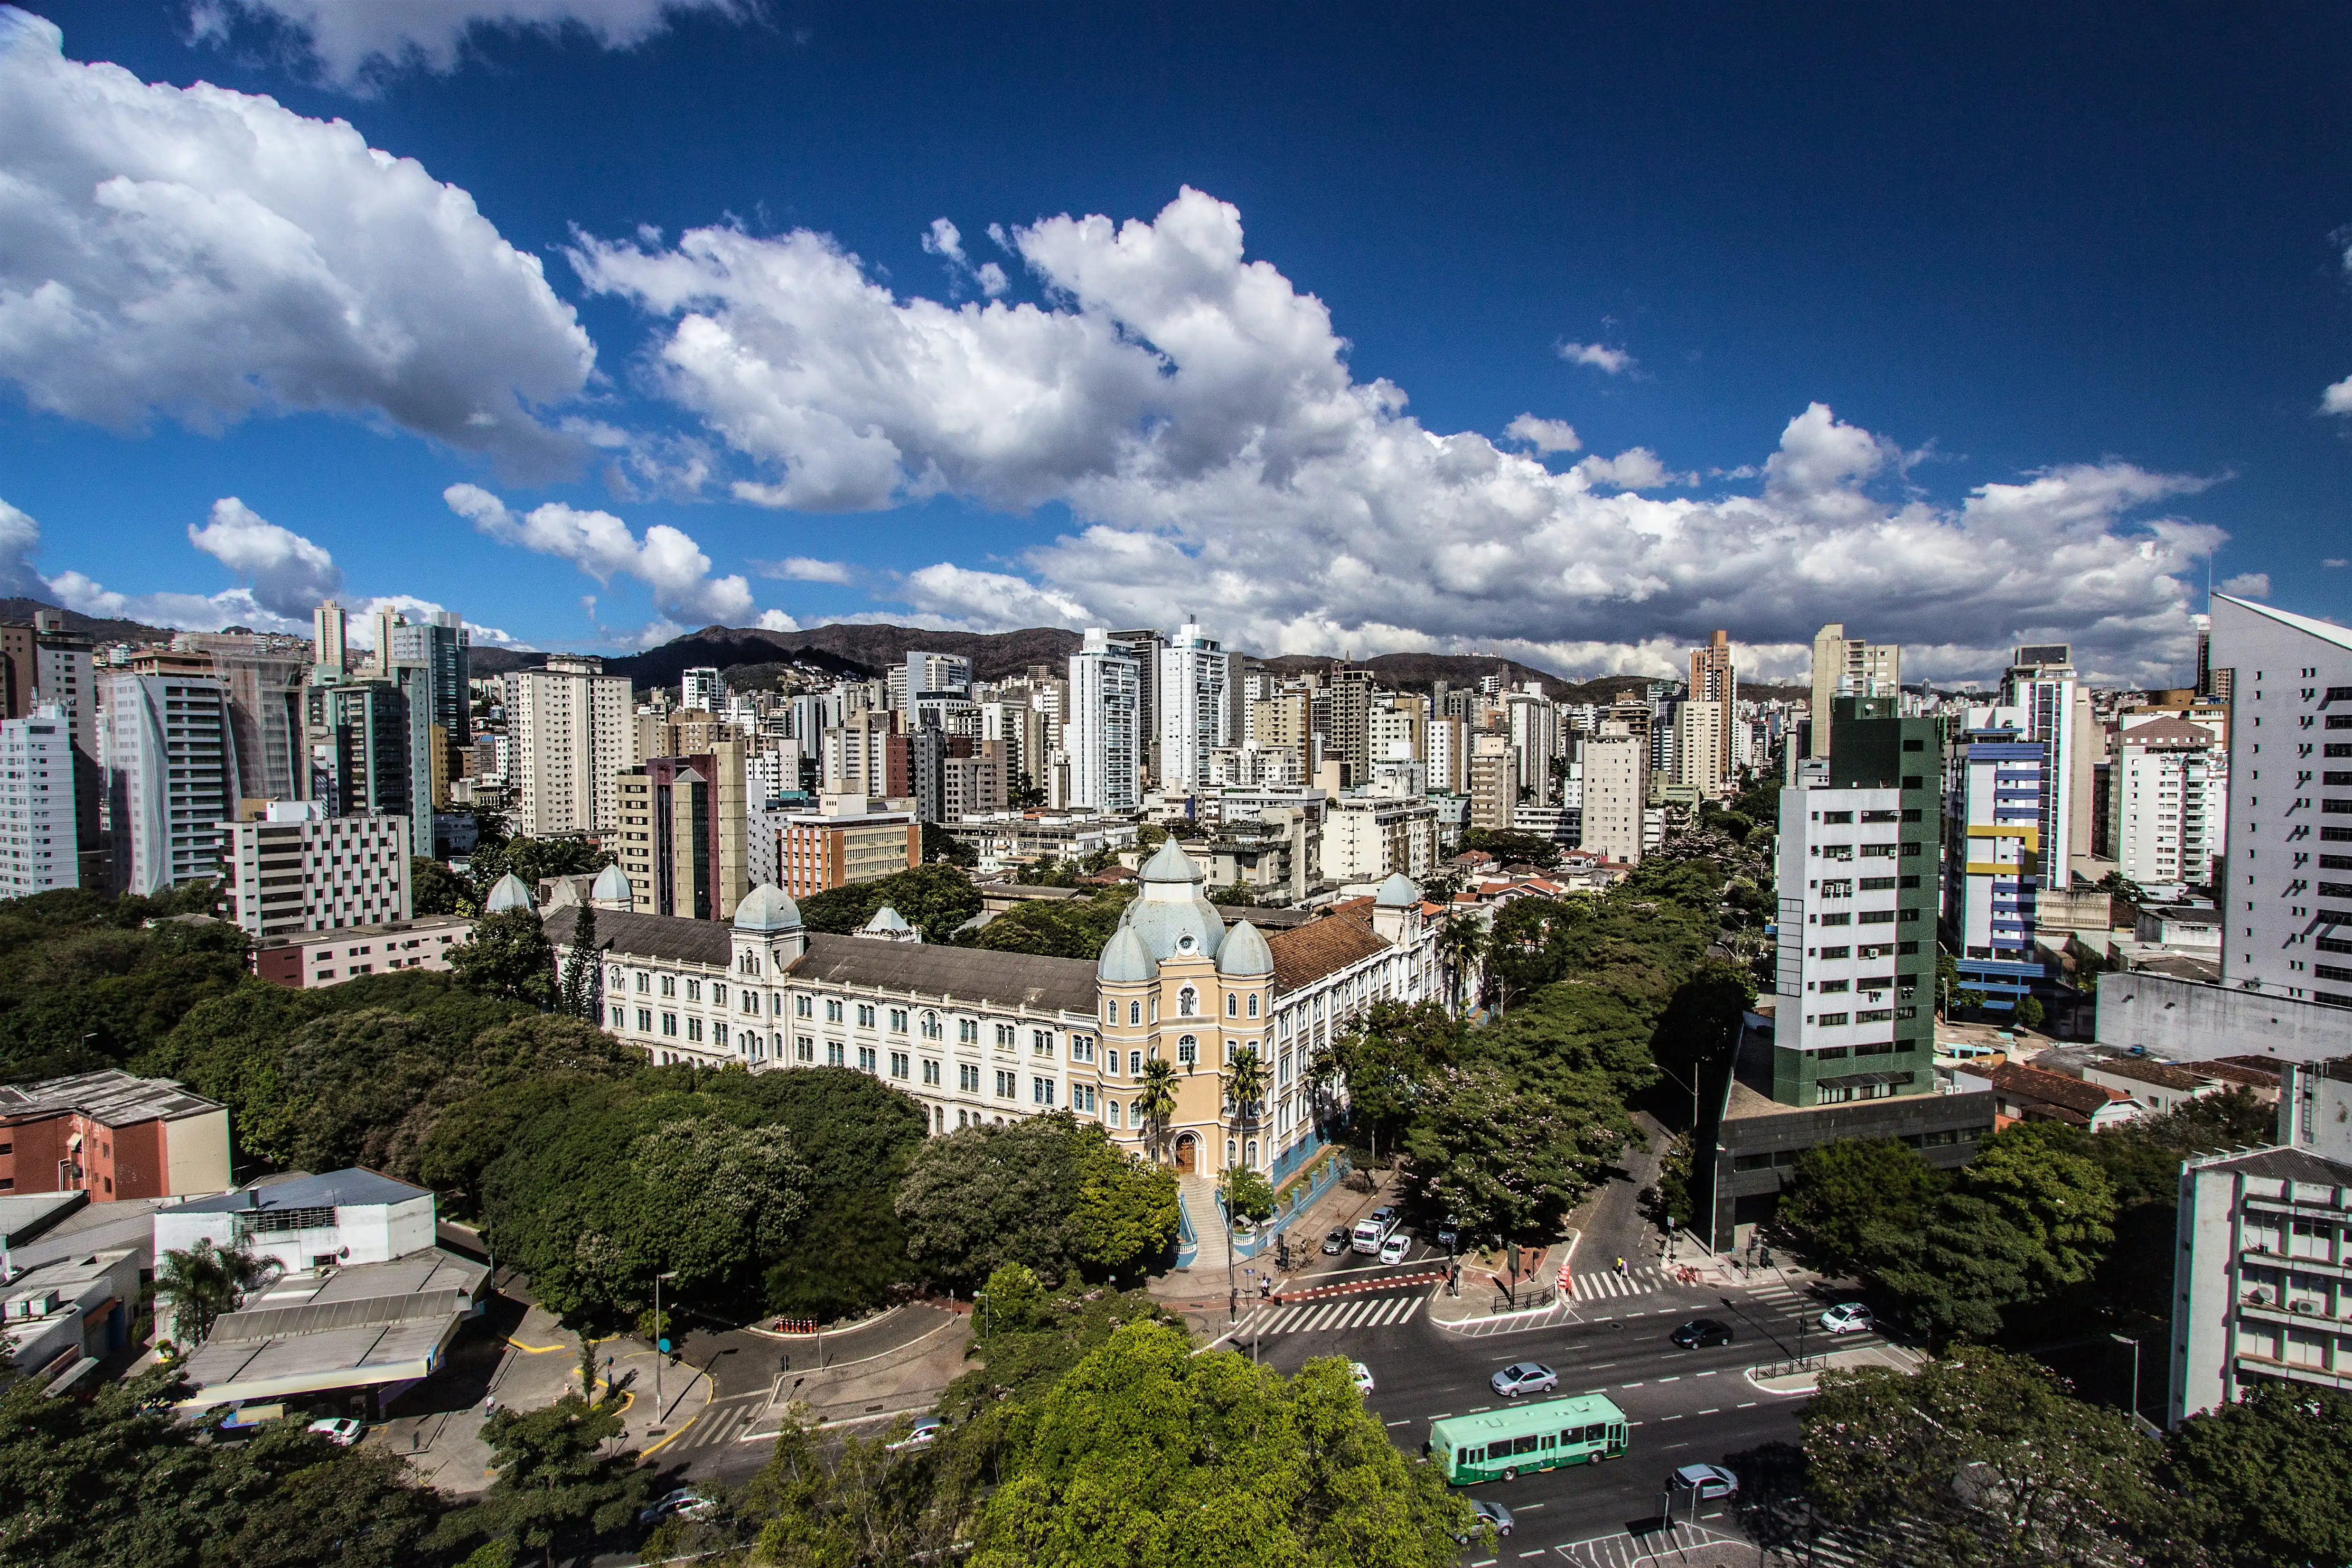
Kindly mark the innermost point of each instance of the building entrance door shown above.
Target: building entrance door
(1187, 1155)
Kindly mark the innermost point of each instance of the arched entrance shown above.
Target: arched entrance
(1188, 1153)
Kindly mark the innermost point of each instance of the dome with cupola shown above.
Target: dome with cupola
(1125, 960)
(611, 889)
(507, 893)
(1172, 915)
(1399, 891)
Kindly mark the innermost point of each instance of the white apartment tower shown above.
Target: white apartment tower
(1194, 705)
(2287, 926)
(171, 778)
(700, 688)
(1534, 724)
(1616, 791)
(299, 870)
(2168, 803)
(37, 842)
(574, 731)
(1101, 734)
(330, 645)
(1702, 761)
(1849, 666)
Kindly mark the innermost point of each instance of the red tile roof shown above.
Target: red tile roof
(1304, 953)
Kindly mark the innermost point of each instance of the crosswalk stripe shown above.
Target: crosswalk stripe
(1394, 1313)
(1323, 1319)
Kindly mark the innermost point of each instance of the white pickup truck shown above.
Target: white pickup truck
(1372, 1229)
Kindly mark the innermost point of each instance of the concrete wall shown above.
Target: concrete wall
(2191, 1022)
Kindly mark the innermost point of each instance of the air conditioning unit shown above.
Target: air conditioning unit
(32, 1304)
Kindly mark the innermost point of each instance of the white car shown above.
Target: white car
(1393, 1249)
(924, 1434)
(1362, 1375)
(1847, 1317)
(341, 1430)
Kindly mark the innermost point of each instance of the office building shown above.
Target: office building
(682, 830)
(112, 1136)
(2289, 899)
(2167, 804)
(1193, 705)
(574, 734)
(298, 869)
(263, 678)
(1616, 791)
(847, 839)
(171, 778)
(1102, 733)
(39, 827)
(700, 688)
(1849, 666)
(361, 749)
(439, 649)
(1144, 646)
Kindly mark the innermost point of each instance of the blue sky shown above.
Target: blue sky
(1961, 329)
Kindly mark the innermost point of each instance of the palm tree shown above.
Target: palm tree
(204, 1283)
(1462, 940)
(1245, 1084)
(1155, 1102)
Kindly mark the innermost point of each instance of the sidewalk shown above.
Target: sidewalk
(907, 1372)
(437, 1424)
(1899, 1357)
(1198, 1293)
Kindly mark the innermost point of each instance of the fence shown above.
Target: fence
(1295, 1202)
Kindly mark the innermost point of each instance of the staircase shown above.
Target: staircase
(1200, 1199)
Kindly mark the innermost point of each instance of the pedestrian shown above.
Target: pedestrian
(1621, 1266)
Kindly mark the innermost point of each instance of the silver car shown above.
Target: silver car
(1524, 1377)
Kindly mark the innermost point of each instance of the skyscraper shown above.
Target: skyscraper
(1143, 646)
(38, 835)
(330, 644)
(1195, 706)
(1101, 733)
(1714, 680)
(171, 775)
(1848, 667)
(702, 688)
(263, 677)
(574, 734)
(1616, 790)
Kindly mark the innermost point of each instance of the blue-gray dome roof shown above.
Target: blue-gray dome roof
(1125, 960)
(611, 886)
(768, 908)
(886, 920)
(1169, 862)
(1398, 891)
(1245, 955)
(507, 893)
(1172, 917)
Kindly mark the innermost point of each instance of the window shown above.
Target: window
(670, 1023)
(897, 1020)
(804, 1007)
(1135, 1064)
(1188, 1050)
(1082, 1047)
(669, 985)
(613, 976)
(803, 1049)
(865, 1015)
(751, 1001)
(644, 1020)
(694, 991)
(718, 1035)
(1110, 1111)
(718, 993)
(620, 1018)
(693, 1028)
(1134, 1013)
(645, 982)
(1041, 1091)
(899, 1067)
(835, 1055)
(930, 1073)
(1082, 1099)
(1006, 1085)
(1041, 1042)
(833, 1010)
(967, 1031)
(967, 1078)
(931, 1030)
(1232, 1005)
(1252, 1004)
(864, 1059)
(1004, 1033)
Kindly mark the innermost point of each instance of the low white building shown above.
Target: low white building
(1369, 837)
(64, 1316)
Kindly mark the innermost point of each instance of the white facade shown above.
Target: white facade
(1835, 980)
(1194, 708)
(171, 778)
(38, 834)
(2289, 899)
(2169, 804)
(1365, 838)
(1533, 724)
(575, 732)
(301, 870)
(701, 688)
(1101, 733)
(1616, 792)
(1701, 760)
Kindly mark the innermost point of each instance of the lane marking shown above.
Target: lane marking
(1406, 1422)
(1664, 1419)
(1628, 1385)
(1717, 1411)
(1749, 1406)
(1703, 1374)
(1677, 1377)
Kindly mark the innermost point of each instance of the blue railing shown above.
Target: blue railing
(1295, 1203)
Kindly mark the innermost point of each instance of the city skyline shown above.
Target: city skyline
(1223, 394)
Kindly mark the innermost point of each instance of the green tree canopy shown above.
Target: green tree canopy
(1151, 1456)
(507, 956)
(84, 985)
(434, 889)
(1983, 1458)
(1843, 1188)
(557, 1491)
(529, 860)
(1050, 1192)
(935, 899)
(1510, 1164)
(1061, 928)
(2259, 1482)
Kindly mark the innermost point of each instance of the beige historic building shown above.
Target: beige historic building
(979, 1036)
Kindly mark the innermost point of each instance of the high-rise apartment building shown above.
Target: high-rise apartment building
(1285, 721)
(941, 672)
(681, 833)
(700, 688)
(1702, 762)
(1445, 743)
(2287, 925)
(1195, 706)
(330, 644)
(439, 648)
(171, 778)
(2042, 688)
(297, 869)
(264, 678)
(1616, 791)
(2168, 802)
(1494, 776)
(361, 749)
(1351, 721)
(1714, 679)
(1849, 666)
(1101, 735)
(1996, 802)
(573, 736)
(1143, 646)
(1534, 726)
(39, 832)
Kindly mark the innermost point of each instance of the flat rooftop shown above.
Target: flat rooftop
(363, 932)
(112, 1097)
(336, 1189)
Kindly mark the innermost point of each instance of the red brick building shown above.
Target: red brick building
(113, 1136)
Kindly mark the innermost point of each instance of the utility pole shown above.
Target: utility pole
(661, 1346)
(2126, 1339)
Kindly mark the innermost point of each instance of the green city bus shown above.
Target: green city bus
(1496, 1445)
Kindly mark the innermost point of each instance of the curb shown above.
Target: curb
(883, 1316)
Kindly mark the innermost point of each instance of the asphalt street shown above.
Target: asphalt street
(1685, 1405)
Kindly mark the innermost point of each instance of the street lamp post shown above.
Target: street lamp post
(660, 1338)
(2126, 1339)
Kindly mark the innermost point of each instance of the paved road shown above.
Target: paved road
(1686, 1407)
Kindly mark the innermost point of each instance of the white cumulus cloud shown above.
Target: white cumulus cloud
(804, 568)
(2338, 399)
(206, 255)
(666, 561)
(1197, 416)
(1607, 360)
(352, 39)
(20, 536)
(2248, 585)
(289, 575)
(1545, 436)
